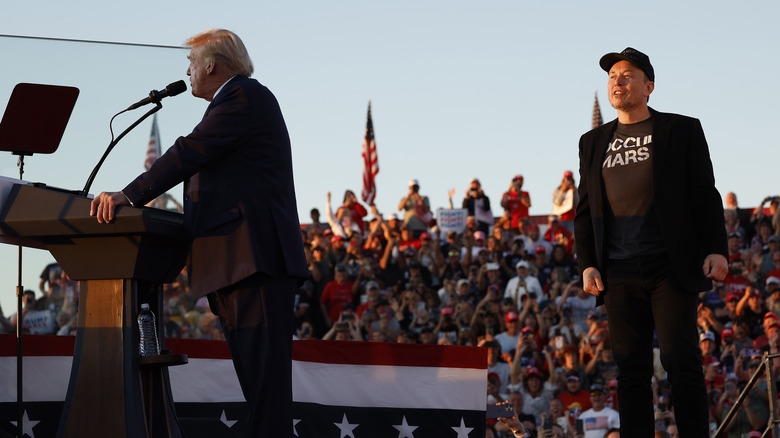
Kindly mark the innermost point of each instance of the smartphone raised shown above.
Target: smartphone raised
(499, 411)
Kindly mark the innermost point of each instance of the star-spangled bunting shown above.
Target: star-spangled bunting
(320, 408)
(370, 161)
(597, 120)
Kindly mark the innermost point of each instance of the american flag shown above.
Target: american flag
(370, 162)
(597, 120)
(593, 423)
(153, 151)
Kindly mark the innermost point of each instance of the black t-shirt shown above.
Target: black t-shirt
(631, 224)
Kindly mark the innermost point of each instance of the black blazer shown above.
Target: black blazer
(239, 203)
(687, 204)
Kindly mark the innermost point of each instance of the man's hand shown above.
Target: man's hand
(716, 267)
(591, 281)
(104, 204)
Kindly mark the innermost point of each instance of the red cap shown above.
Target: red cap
(533, 371)
(769, 315)
(568, 174)
(511, 316)
(425, 236)
(518, 176)
(540, 249)
(732, 296)
(446, 311)
(727, 332)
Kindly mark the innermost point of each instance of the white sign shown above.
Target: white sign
(451, 219)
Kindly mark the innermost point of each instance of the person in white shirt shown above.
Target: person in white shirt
(597, 420)
(523, 283)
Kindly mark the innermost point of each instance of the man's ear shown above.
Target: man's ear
(649, 87)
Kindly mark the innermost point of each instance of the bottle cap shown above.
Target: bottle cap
(145, 305)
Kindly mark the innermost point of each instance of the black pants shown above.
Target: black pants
(257, 318)
(643, 294)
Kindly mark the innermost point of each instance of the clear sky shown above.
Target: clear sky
(459, 89)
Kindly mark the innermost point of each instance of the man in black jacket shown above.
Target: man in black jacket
(650, 235)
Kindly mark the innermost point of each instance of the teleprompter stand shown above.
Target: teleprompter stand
(33, 123)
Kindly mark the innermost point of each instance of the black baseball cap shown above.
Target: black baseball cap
(631, 55)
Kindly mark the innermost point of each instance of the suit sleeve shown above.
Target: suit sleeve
(216, 135)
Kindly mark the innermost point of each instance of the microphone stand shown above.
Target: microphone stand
(158, 107)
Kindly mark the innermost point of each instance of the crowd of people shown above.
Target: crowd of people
(508, 284)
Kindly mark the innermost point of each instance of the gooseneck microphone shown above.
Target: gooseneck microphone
(155, 96)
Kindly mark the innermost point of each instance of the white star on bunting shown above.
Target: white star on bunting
(346, 428)
(405, 430)
(27, 425)
(463, 431)
(225, 421)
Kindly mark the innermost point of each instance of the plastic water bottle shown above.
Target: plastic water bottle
(147, 328)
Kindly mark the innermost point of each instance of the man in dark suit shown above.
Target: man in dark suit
(650, 235)
(241, 215)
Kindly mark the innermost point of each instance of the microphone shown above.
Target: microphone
(155, 96)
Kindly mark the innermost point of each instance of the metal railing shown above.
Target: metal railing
(764, 365)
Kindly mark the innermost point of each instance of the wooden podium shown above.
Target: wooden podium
(112, 391)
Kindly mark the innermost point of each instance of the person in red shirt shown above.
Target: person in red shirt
(516, 201)
(336, 293)
(556, 234)
(408, 239)
(357, 211)
(575, 399)
(737, 279)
